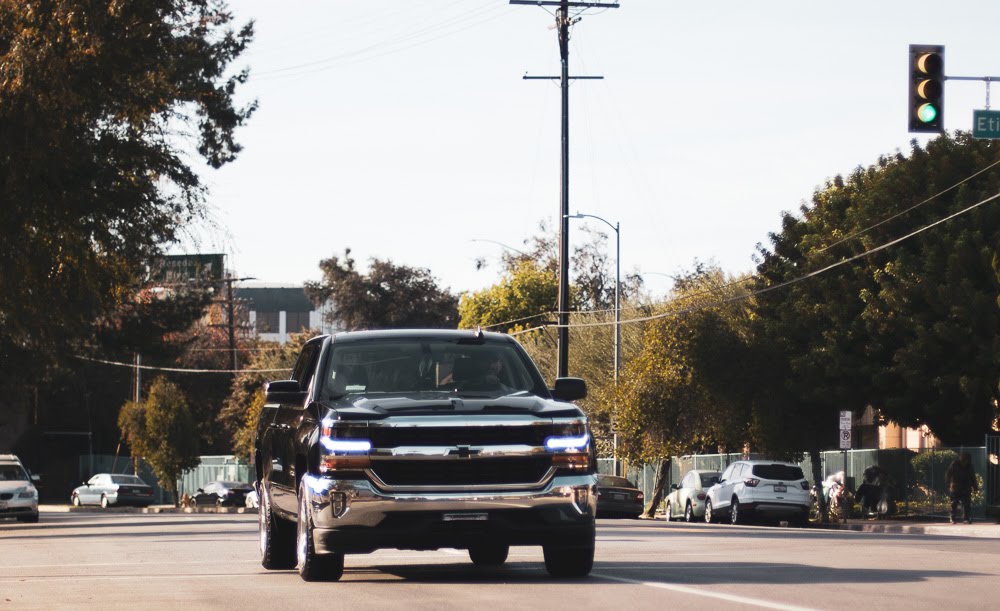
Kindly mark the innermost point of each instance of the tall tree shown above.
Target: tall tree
(100, 103)
(161, 430)
(389, 296)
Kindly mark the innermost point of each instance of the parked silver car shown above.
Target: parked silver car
(687, 500)
(759, 488)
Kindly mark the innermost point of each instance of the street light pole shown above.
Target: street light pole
(618, 312)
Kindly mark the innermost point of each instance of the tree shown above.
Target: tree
(162, 431)
(389, 296)
(681, 392)
(523, 297)
(913, 329)
(241, 412)
(100, 104)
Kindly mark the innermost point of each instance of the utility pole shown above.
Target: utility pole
(231, 319)
(563, 23)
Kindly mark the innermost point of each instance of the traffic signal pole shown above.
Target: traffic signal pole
(563, 23)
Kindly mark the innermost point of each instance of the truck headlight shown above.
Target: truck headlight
(344, 454)
(570, 453)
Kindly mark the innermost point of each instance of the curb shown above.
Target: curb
(987, 531)
(143, 510)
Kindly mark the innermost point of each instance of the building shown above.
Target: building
(275, 311)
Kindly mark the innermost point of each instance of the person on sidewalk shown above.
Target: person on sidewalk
(961, 479)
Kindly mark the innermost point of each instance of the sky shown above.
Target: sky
(404, 131)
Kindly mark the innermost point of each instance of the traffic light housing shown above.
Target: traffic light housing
(926, 94)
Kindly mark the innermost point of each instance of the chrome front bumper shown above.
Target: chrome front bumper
(355, 517)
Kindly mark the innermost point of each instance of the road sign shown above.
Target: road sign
(986, 124)
(845, 439)
(846, 418)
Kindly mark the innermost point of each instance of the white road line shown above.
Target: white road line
(743, 600)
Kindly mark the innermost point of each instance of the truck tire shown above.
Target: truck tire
(568, 561)
(488, 554)
(313, 566)
(277, 537)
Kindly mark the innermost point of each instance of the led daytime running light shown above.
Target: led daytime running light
(346, 445)
(567, 443)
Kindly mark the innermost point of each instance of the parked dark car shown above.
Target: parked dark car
(618, 498)
(222, 493)
(106, 489)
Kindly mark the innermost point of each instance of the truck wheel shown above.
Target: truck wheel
(489, 554)
(568, 561)
(277, 538)
(313, 566)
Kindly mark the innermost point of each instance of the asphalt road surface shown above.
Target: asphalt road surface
(196, 561)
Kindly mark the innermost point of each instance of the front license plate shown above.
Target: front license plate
(780, 488)
(466, 517)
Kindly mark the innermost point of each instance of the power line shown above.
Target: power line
(176, 369)
(780, 284)
(913, 207)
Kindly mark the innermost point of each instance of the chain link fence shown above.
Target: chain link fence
(914, 479)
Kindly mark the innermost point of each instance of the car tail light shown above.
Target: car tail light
(751, 482)
(701, 496)
(805, 485)
(639, 496)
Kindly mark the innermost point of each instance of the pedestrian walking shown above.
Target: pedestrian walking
(961, 479)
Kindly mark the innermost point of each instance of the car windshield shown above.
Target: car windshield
(12, 473)
(405, 366)
(778, 472)
(708, 479)
(611, 480)
(127, 479)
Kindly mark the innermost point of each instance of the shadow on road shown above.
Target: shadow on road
(665, 572)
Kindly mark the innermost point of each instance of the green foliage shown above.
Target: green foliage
(681, 392)
(929, 469)
(100, 103)
(913, 330)
(389, 296)
(161, 430)
(514, 302)
(242, 408)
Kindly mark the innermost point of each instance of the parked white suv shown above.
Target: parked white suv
(18, 495)
(761, 488)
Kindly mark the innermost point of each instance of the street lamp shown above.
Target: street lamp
(618, 310)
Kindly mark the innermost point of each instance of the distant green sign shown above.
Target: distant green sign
(986, 124)
(180, 269)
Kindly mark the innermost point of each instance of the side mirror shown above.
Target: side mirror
(287, 390)
(674, 486)
(569, 389)
(200, 490)
(36, 478)
(87, 484)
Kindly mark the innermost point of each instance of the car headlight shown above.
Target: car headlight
(27, 493)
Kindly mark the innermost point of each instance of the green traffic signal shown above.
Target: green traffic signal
(927, 113)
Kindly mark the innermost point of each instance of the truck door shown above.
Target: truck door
(285, 445)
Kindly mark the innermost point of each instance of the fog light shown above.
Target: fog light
(339, 504)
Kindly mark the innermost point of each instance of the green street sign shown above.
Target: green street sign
(986, 124)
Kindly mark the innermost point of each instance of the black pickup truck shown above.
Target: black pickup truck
(423, 440)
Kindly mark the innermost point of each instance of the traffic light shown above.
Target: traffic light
(926, 88)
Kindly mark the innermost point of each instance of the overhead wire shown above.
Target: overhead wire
(333, 61)
(176, 369)
(773, 287)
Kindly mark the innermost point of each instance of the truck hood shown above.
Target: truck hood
(355, 407)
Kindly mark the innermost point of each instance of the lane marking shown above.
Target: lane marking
(743, 600)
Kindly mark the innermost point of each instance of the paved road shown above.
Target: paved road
(199, 561)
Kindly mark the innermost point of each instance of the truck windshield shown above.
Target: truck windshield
(407, 366)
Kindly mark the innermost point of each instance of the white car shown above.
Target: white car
(760, 488)
(687, 501)
(18, 495)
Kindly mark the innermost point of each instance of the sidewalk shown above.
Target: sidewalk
(979, 528)
(151, 509)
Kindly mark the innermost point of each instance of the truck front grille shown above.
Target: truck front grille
(522, 470)
(394, 437)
